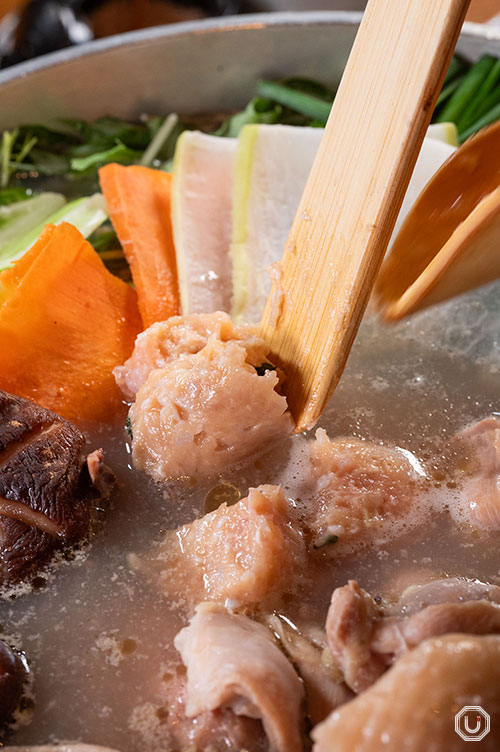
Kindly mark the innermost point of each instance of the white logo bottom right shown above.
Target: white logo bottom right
(472, 723)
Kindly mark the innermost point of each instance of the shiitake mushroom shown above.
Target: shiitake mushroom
(48, 487)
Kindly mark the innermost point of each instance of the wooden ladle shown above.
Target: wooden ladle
(354, 192)
(450, 240)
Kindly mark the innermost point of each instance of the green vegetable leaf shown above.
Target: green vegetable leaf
(10, 196)
(117, 153)
(257, 111)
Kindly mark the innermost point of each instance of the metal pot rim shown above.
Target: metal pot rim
(209, 26)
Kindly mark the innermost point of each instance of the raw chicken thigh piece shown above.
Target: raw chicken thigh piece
(212, 729)
(233, 662)
(482, 491)
(202, 413)
(323, 682)
(350, 625)
(166, 341)
(361, 488)
(244, 553)
(364, 641)
(449, 590)
(413, 706)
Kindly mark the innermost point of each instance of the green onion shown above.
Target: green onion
(492, 116)
(306, 104)
(459, 101)
(159, 139)
(470, 113)
(455, 68)
(448, 90)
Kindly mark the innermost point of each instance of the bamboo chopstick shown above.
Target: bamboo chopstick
(354, 192)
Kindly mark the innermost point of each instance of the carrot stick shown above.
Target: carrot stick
(65, 323)
(138, 199)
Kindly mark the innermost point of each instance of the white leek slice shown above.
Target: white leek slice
(202, 189)
(446, 132)
(272, 165)
(86, 214)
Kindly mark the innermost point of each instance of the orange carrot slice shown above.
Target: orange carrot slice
(138, 200)
(65, 323)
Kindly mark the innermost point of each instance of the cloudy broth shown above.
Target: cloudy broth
(98, 635)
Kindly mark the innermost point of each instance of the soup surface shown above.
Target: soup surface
(97, 634)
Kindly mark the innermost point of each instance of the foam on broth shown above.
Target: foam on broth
(98, 637)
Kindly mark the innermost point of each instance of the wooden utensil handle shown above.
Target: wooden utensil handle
(354, 192)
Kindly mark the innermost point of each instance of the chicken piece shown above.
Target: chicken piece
(449, 590)
(413, 706)
(350, 625)
(364, 642)
(12, 678)
(482, 491)
(202, 413)
(394, 635)
(323, 682)
(244, 553)
(362, 489)
(46, 488)
(233, 662)
(211, 730)
(166, 341)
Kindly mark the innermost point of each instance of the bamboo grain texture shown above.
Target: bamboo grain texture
(354, 191)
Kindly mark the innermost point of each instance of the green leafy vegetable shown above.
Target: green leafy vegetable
(10, 196)
(104, 238)
(257, 111)
(13, 153)
(118, 153)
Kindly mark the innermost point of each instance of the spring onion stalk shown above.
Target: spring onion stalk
(8, 138)
(86, 214)
(159, 139)
(455, 68)
(485, 106)
(473, 80)
(492, 116)
(448, 90)
(306, 104)
(470, 113)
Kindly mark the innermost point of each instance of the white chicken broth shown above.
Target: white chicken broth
(97, 632)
